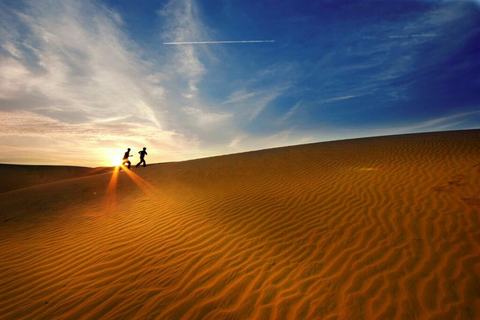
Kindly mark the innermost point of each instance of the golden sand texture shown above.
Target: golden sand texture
(377, 228)
(21, 176)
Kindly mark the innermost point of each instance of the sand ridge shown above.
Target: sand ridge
(377, 228)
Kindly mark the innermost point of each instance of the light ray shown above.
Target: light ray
(110, 199)
(146, 187)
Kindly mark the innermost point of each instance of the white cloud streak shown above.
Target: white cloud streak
(437, 123)
(402, 36)
(205, 118)
(218, 42)
(291, 112)
(452, 122)
(339, 98)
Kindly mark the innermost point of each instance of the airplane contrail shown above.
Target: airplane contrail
(219, 42)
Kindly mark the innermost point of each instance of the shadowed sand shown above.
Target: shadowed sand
(20, 176)
(377, 228)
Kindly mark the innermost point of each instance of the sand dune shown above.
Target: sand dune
(377, 228)
(21, 176)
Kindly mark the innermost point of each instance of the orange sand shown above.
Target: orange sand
(20, 176)
(378, 228)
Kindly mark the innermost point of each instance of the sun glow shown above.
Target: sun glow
(116, 162)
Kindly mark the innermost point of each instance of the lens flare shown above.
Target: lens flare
(146, 187)
(110, 200)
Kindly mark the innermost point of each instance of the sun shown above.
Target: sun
(111, 157)
(116, 162)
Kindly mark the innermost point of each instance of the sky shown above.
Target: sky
(80, 81)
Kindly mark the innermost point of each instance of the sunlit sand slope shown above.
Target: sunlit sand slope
(379, 228)
(19, 176)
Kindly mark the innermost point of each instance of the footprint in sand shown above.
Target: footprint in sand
(439, 188)
(458, 180)
(472, 201)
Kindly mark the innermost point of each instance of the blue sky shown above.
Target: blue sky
(81, 81)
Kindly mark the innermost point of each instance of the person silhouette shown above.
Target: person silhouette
(143, 153)
(125, 158)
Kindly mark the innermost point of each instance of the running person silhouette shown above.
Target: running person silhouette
(143, 153)
(125, 158)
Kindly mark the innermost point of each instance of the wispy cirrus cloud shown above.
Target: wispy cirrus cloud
(68, 71)
(441, 123)
(205, 118)
(218, 42)
(341, 98)
(455, 121)
(25, 123)
(291, 111)
(94, 73)
(181, 23)
(403, 36)
(247, 105)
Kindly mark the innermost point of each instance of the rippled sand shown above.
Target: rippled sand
(377, 228)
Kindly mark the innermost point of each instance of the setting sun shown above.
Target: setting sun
(116, 161)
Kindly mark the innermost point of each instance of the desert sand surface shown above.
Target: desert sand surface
(22, 176)
(374, 228)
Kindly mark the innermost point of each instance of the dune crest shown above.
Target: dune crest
(377, 228)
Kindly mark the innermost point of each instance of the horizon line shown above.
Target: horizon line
(8, 163)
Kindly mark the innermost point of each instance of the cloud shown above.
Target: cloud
(99, 89)
(330, 100)
(239, 96)
(90, 143)
(13, 75)
(94, 73)
(462, 120)
(249, 104)
(236, 141)
(437, 123)
(30, 124)
(182, 23)
(291, 111)
(218, 42)
(113, 119)
(383, 59)
(69, 71)
(205, 118)
(73, 81)
(403, 36)
(260, 89)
